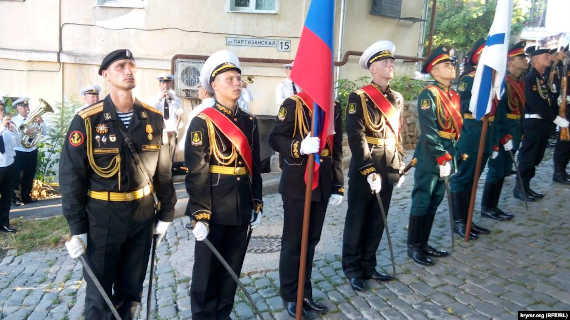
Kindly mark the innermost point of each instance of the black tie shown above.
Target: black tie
(294, 89)
(166, 109)
(2, 148)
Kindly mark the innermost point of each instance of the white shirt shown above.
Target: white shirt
(10, 141)
(174, 113)
(208, 102)
(284, 90)
(18, 120)
(245, 99)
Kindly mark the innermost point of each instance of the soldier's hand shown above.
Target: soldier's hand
(508, 145)
(310, 145)
(200, 231)
(256, 219)
(160, 230)
(76, 245)
(401, 181)
(335, 200)
(495, 152)
(445, 169)
(375, 182)
(561, 122)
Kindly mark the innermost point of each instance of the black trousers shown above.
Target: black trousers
(531, 152)
(291, 245)
(363, 226)
(118, 247)
(7, 177)
(213, 290)
(561, 154)
(26, 164)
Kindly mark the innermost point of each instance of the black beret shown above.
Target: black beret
(119, 54)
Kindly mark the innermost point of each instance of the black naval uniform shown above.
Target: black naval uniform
(224, 195)
(293, 125)
(561, 154)
(537, 125)
(106, 195)
(375, 147)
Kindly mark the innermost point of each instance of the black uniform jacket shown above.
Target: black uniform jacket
(373, 144)
(293, 125)
(226, 199)
(539, 100)
(96, 158)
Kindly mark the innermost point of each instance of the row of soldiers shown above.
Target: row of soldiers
(109, 189)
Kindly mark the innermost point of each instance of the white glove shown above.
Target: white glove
(200, 231)
(375, 182)
(561, 122)
(257, 220)
(76, 245)
(445, 170)
(400, 181)
(494, 154)
(160, 229)
(335, 199)
(310, 145)
(508, 145)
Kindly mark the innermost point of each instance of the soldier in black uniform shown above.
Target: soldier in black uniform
(562, 149)
(373, 128)
(539, 119)
(224, 186)
(290, 137)
(107, 195)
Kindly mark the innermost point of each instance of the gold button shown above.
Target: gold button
(235, 119)
(238, 178)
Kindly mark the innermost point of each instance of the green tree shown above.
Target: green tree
(460, 23)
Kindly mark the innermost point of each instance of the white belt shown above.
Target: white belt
(532, 116)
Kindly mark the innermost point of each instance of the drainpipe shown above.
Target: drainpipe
(59, 50)
(339, 44)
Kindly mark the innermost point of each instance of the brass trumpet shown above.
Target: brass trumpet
(249, 79)
(31, 130)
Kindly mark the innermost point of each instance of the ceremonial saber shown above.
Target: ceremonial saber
(99, 287)
(521, 185)
(385, 220)
(409, 166)
(230, 271)
(450, 204)
(149, 293)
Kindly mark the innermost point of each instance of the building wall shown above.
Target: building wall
(163, 29)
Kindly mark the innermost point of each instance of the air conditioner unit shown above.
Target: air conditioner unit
(187, 73)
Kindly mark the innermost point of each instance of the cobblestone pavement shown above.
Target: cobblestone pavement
(523, 265)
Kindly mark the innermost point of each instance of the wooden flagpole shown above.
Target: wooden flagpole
(305, 233)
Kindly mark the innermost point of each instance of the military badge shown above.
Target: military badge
(107, 116)
(143, 115)
(351, 108)
(461, 87)
(148, 129)
(76, 138)
(101, 128)
(112, 138)
(104, 139)
(425, 104)
(282, 114)
(196, 138)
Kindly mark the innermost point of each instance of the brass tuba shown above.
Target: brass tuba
(31, 130)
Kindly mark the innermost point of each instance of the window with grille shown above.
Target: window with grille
(256, 6)
(387, 8)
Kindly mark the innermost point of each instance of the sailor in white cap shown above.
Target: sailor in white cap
(286, 88)
(224, 181)
(171, 107)
(26, 157)
(373, 130)
(90, 95)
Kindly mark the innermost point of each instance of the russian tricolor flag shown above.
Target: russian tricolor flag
(313, 69)
(493, 58)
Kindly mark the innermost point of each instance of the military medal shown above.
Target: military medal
(98, 139)
(149, 131)
(112, 138)
(104, 139)
(102, 128)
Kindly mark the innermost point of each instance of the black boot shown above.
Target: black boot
(560, 175)
(505, 215)
(487, 202)
(522, 194)
(128, 309)
(460, 206)
(415, 252)
(428, 250)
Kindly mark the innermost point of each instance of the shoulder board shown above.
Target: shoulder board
(91, 110)
(433, 89)
(359, 91)
(149, 108)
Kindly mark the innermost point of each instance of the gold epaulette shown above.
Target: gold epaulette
(91, 110)
(359, 91)
(150, 108)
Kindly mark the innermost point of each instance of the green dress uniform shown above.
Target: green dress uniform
(376, 147)
(467, 148)
(106, 195)
(561, 154)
